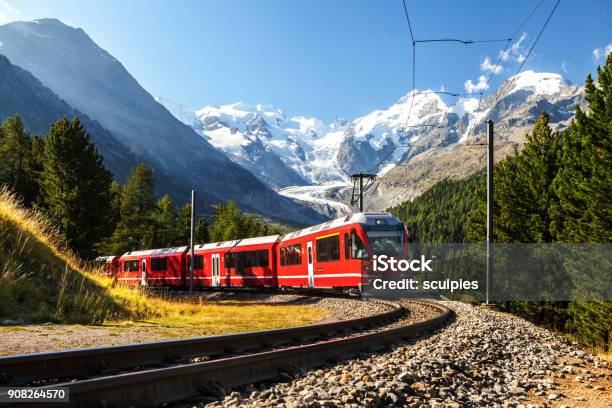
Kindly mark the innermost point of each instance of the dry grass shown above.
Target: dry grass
(42, 281)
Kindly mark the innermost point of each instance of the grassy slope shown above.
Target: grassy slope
(41, 282)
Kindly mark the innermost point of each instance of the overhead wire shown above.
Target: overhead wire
(501, 57)
(461, 41)
(520, 67)
(508, 41)
(376, 166)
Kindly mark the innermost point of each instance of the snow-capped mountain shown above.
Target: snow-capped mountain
(182, 113)
(286, 151)
(280, 150)
(307, 159)
(540, 83)
(375, 142)
(516, 105)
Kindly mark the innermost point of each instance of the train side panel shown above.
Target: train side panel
(154, 267)
(241, 263)
(324, 259)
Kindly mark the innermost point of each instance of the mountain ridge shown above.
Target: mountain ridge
(67, 61)
(385, 141)
(39, 107)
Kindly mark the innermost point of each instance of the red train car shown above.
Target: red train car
(248, 262)
(155, 267)
(337, 254)
(109, 264)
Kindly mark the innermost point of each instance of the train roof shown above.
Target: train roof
(159, 251)
(369, 218)
(270, 239)
(108, 258)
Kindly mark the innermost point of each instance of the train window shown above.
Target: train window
(198, 261)
(328, 249)
(130, 266)
(255, 258)
(228, 260)
(291, 255)
(247, 259)
(159, 264)
(358, 248)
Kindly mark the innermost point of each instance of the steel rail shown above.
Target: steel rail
(165, 385)
(26, 369)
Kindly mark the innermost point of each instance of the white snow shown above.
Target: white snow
(542, 83)
(310, 146)
(317, 195)
(389, 122)
(182, 113)
(227, 139)
(474, 119)
(307, 145)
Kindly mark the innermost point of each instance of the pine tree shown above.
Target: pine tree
(136, 229)
(116, 192)
(537, 168)
(38, 151)
(167, 219)
(18, 165)
(522, 191)
(440, 213)
(76, 186)
(584, 182)
(38, 156)
(228, 223)
(183, 226)
(202, 235)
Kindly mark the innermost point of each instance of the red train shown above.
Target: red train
(108, 264)
(333, 255)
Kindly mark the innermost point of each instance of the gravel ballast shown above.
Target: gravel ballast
(340, 308)
(484, 358)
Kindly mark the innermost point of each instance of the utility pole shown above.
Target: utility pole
(359, 177)
(490, 164)
(191, 243)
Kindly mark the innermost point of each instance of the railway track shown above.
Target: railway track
(157, 373)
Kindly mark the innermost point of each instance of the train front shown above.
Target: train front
(386, 239)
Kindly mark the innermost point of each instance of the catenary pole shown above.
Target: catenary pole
(490, 164)
(191, 241)
(359, 177)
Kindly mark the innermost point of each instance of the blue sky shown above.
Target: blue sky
(324, 58)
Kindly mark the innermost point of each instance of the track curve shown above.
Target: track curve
(180, 381)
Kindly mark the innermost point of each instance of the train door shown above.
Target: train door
(215, 268)
(143, 272)
(310, 265)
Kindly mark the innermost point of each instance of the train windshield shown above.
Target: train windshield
(387, 242)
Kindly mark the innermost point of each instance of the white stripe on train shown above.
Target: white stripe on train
(323, 275)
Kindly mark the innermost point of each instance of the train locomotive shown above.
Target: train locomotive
(335, 255)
